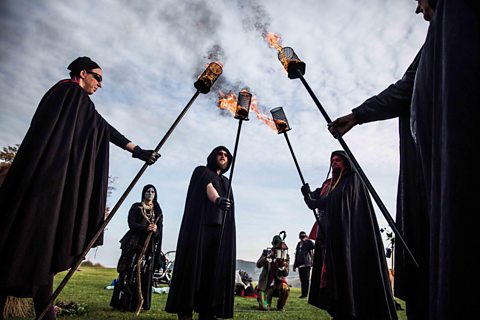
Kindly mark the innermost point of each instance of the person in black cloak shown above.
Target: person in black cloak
(349, 277)
(54, 196)
(141, 248)
(411, 283)
(204, 272)
(445, 104)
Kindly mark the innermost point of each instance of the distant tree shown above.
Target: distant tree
(6, 157)
(8, 153)
(110, 187)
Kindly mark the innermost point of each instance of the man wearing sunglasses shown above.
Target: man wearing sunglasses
(53, 198)
(204, 273)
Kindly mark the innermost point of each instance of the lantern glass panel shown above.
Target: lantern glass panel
(280, 120)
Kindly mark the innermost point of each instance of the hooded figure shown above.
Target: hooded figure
(204, 272)
(445, 103)
(142, 215)
(349, 277)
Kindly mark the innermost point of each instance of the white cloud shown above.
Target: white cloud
(151, 53)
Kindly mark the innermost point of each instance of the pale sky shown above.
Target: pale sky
(151, 53)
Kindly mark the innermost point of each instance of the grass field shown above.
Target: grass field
(87, 285)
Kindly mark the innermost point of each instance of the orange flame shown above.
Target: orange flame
(262, 117)
(229, 102)
(274, 41)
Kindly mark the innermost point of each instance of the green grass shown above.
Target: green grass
(87, 287)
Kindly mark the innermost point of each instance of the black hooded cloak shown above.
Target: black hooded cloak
(204, 272)
(411, 217)
(445, 106)
(349, 250)
(53, 199)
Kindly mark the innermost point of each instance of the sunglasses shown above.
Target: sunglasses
(222, 153)
(95, 75)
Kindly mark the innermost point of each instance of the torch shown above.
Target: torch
(241, 113)
(281, 123)
(203, 85)
(296, 69)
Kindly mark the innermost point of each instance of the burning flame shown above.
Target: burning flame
(212, 71)
(274, 41)
(229, 102)
(262, 117)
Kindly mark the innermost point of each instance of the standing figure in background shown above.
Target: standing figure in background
(272, 281)
(304, 261)
(204, 272)
(54, 196)
(350, 276)
(141, 248)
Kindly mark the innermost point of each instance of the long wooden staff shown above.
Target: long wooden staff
(139, 262)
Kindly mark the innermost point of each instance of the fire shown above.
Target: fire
(229, 102)
(262, 117)
(212, 71)
(274, 41)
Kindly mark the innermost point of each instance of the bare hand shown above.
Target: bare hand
(342, 125)
(152, 227)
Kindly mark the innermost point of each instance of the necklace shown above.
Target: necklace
(147, 211)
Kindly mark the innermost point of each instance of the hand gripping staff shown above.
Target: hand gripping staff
(296, 69)
(203, 85)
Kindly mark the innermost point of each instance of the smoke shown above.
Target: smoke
(255, 17)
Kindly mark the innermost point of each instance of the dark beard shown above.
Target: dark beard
(222, 167)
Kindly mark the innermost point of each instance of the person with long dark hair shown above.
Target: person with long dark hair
(141, 249)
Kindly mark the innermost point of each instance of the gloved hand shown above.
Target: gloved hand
(223, 203)
(306, 190)
(149, 156)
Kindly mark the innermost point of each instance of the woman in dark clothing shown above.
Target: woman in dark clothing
(141, 247)
(349, 278)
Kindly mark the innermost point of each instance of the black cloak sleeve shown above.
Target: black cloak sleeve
(185, 289)
(53, 199)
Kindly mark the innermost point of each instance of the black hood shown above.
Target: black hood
(145, 190)
(212, 159)
(342, 154)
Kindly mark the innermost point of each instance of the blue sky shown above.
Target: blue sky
(151, 53)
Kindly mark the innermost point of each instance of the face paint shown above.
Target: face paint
(149, 194)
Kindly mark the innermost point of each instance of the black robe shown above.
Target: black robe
(445, 103)
(411, 216)
(350, 246)
(125, 294)
(53, 198)
(198, 283)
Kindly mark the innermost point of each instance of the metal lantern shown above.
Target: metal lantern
(280, 120)
(292, 64)
(208, 77)
(280, 251)
(243, 105)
